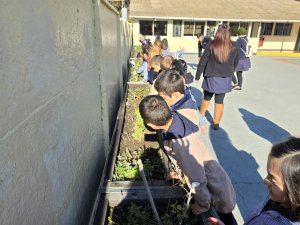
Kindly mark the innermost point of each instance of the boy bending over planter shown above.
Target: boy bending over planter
(182, 141)
(171, 85)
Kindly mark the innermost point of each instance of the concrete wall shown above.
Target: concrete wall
(58, 106)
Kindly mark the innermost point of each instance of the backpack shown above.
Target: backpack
(249, 49)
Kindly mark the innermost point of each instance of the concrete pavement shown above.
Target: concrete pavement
(266, 111)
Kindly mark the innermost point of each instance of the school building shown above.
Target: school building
(273, 25)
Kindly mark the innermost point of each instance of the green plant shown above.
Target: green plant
(139, 215)
(126, 168)
(110, 217)
(242, 31)
(137, 49)
(138, 129)
(134, 76)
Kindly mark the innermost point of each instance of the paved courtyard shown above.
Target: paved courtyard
(266, 111)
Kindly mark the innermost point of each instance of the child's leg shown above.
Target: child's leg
(205, 102)
(234, 81)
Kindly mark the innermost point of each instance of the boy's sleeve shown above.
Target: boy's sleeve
(141, 69)
(190, 161)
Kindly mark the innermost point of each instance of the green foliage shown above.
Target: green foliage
(242, 31)
(135, 95)
(136, 49)
(126, 167)
(138, 129)
(126, 171)
(138, 215)
(134, 76)
(142, 215)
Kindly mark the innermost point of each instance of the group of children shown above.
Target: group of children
(171, 110)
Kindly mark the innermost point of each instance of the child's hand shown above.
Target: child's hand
(197, 82)
(173, 176)
(203, 129)
(214, 221)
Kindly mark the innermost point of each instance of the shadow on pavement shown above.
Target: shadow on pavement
(242, 169)
(193, 65)
(264, 127)
(197, 94)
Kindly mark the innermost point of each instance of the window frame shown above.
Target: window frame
(211, 28)
(285, 31)
(151, 25)
(262, 30)
(156, 28)
(191, 24)
(193, 27)
(177, 24)
(238, 25)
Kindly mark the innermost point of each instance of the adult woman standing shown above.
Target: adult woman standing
(217, 65)
(244, 61)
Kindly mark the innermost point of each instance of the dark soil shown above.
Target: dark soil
(134, 147)
(170, 214)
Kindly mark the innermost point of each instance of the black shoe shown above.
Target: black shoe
(216, 126)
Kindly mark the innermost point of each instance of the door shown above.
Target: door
(297, 46)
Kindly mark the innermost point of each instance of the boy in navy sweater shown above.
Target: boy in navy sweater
(183, 143)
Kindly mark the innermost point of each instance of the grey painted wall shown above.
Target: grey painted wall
(58, 106)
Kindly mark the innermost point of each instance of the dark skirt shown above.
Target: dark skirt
(243, 65)
(217, 85)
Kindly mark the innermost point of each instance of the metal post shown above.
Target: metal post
(141, 169)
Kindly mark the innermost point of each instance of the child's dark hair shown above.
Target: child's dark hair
(146, 49)
(156, 60)
(155, 110)
(165, 44)
(180, 64)
(291, 145)
(199, 35)
(167, 62)
(289, 151)
(169, 82)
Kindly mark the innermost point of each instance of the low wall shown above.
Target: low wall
(61, 83)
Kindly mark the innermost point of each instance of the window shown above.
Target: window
(188, 28)
(211, 28)
(199, 28)
(146, 27)
(177, 28)
(234, 26)
(266, 28)
(283, 29)
(160, 28)
(193, 28)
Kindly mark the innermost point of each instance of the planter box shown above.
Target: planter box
(115, 193)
